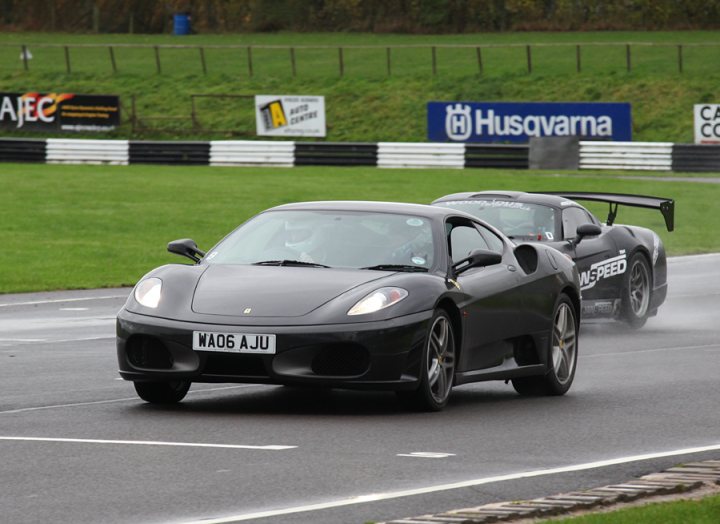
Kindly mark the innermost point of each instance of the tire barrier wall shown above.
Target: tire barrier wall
(19, 150)
(659, 156)
(68, 151)
(647, 156)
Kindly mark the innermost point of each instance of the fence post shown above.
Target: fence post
(67, 59)
(478, 51)
(95, 18)
(249, 56)
(627, 57)
(680, 58)
(157, 59)
(112, 59)
(434, 60)
(24, 54)
(388, 61)
(578, 63)
(202, 59)
(193, 113)
(131, 22)
(292, 61)
(528, 52)
(341, 61)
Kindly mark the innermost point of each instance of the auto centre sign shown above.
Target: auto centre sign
(33, 111)
(519, 121)
(283, 115)
(707, 123)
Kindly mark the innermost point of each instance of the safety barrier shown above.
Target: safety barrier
(658, 156)
(410, 154)
(646, 156)
(251, 153)
(69, 151)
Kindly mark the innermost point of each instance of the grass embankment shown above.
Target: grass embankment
(67, 227)
(702, 511)
(366, 104)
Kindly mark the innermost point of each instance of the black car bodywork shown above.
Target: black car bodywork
(491, 305)
(623, 269)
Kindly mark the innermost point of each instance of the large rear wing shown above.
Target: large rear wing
(665, 205)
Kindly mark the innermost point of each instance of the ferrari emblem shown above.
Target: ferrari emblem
(247, 311)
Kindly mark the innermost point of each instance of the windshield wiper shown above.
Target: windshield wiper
(288, 263)
(397, 267)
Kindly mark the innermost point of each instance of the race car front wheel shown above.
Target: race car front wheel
(636, 292)
(162, 392)
(562, 355)
(438, 367)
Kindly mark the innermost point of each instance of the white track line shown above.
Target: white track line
(271, 447)
(60, 300)
(375, 497)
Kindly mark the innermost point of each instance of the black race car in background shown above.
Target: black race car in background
(623, 269)
(371, 295)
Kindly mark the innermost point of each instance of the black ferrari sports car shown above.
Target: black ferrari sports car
(623, 269)
(401, 297)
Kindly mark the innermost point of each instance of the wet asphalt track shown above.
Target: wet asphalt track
(655, 390)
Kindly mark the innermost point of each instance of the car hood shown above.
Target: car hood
(272, 291)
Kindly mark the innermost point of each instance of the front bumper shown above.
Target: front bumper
(365, 355)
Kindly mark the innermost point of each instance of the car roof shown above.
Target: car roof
(515, 196)
(378, 207)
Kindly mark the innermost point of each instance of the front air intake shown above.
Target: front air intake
(148, 353)
(341, 360)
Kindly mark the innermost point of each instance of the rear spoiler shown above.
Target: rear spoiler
(665, 205)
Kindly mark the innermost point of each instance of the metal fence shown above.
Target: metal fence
(287, 57)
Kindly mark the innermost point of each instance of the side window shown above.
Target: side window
(573, 217)
(493, 241)
(464, 239)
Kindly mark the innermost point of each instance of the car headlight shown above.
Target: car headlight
(148, 293)
(377, 300)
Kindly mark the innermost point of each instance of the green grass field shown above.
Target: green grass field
(68, 227)
(701, 511)
(366, 104)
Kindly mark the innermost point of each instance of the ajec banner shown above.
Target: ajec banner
(284, 115)
(35, 111)
(519, 121)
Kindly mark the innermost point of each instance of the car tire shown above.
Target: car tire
(438, 367)
(162, 392)
(637, 284)
(561, 357)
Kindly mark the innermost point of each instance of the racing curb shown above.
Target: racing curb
(678, 479)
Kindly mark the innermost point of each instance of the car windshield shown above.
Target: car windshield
(518, 220)
(344, 239)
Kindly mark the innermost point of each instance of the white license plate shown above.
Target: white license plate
(234, 342)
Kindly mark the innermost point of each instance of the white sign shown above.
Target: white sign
(707, 123)
(283, 115)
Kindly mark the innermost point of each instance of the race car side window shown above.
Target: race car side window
(572, 217)
(493, 241)
(463, 240)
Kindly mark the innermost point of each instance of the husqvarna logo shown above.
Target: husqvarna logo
(458, 122)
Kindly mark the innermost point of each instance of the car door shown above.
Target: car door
(598, 259)
(492, 302)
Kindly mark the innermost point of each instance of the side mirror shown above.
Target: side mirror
(478, 258)
(186, 247)
(587, 230)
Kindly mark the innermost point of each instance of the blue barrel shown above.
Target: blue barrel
(181, 24)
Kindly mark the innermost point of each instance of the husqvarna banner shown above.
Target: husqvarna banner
(282, 115)
(519, 121)
(33, 111)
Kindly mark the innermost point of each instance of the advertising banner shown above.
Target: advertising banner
(519, 121)
(707, 123)
(285, 115)
(35, 111)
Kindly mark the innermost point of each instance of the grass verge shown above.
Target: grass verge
(701, 511)
(68, 227)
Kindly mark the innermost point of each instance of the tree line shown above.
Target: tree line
(379, 16)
